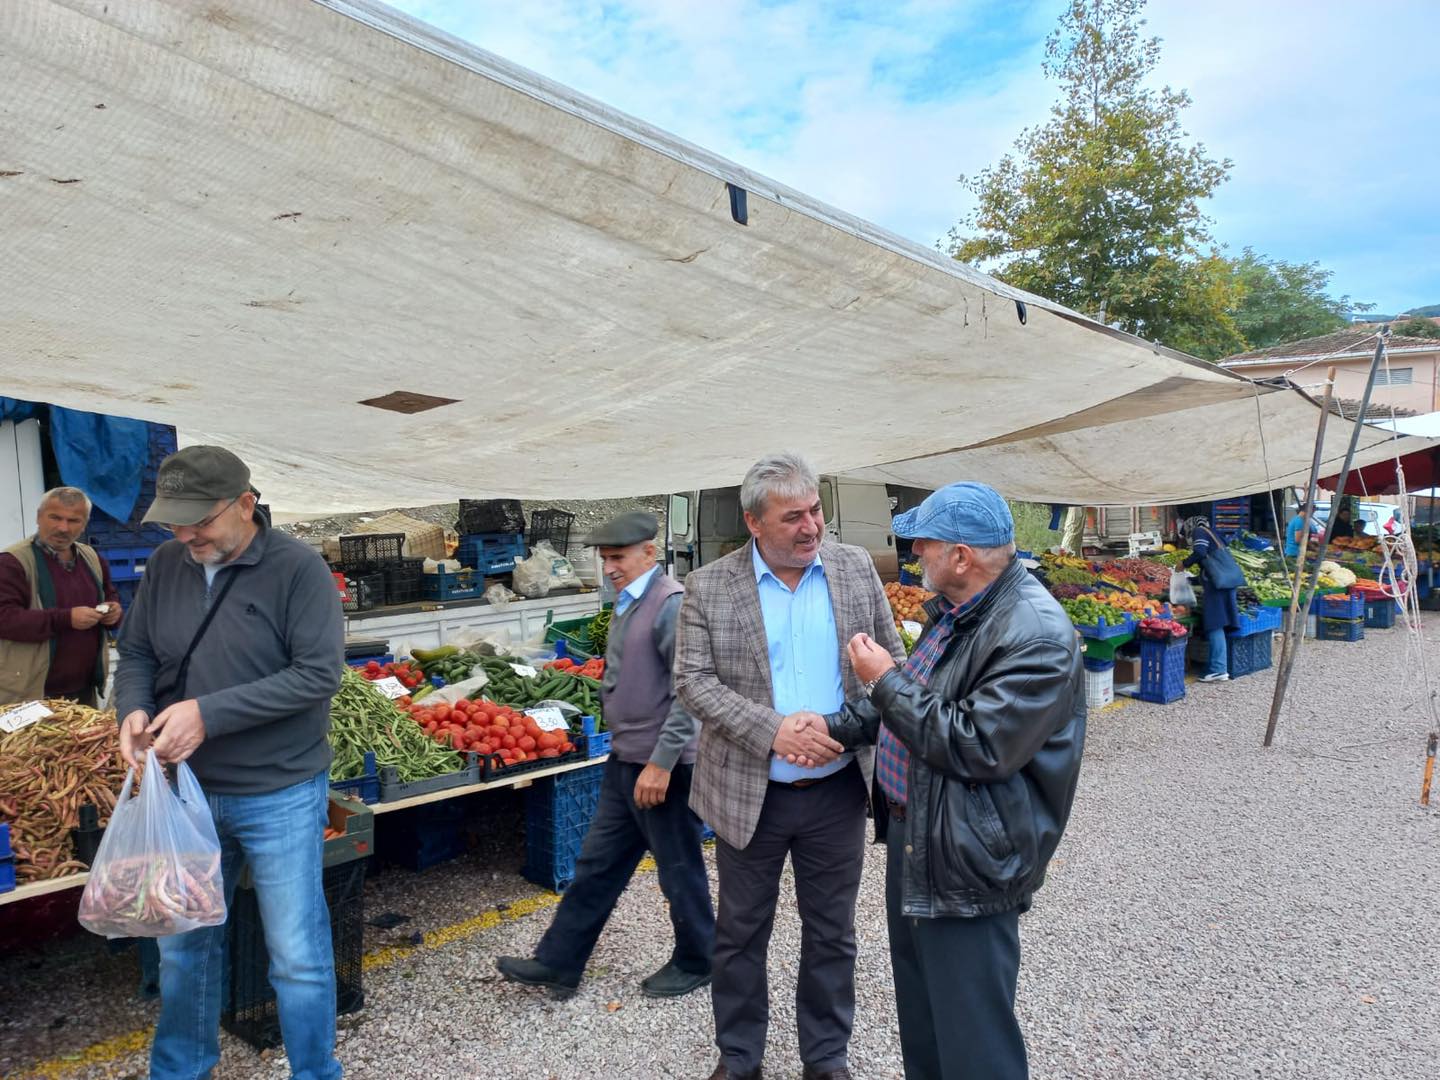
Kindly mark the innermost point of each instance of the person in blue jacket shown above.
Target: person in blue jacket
(1220, 610)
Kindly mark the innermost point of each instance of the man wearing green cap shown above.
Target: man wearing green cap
(978, 739)
(229, 657)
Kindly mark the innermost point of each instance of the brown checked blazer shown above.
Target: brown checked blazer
(722, 675)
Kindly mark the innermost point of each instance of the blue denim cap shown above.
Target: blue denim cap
(963, 513)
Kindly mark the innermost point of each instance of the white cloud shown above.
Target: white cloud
(1328, 110)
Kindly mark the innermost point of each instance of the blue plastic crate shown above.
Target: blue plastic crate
(1380, 614)
(1162, 670)
(424, 836)
(126, 563)
(1341, 606)
(1246, 654)
(1098, 665)
(1262, 618)
(5, 851)
(490, 553)
(1106, 630)
(706, 833)
(558, 811)
(365, 788)
(1340, 630)
(455, 585)
(7, 875)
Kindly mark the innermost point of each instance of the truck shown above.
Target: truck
(704, 525)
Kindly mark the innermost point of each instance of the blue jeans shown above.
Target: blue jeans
(280, 834)
(618, 838)
(1219, 652)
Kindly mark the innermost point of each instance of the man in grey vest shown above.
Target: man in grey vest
(645, 793)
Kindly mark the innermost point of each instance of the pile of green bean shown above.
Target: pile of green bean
(364, 719)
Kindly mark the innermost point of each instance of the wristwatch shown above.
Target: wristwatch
(869, 686)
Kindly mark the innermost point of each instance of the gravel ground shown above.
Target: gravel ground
(1216, 910)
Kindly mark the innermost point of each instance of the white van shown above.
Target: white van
(704, 525)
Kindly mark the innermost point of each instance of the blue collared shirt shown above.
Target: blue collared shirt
(804, 649)
(634, 590)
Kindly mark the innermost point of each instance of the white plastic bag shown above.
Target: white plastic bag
(562, 570)
(157, 871)
(1181, 591)
(531, 578)
(498, 596)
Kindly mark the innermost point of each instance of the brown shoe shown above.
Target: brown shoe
(722, 1073)
(842, 1073)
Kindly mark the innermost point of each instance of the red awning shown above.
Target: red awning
(1422, 470)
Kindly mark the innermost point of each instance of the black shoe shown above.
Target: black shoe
(670, 981)
(722, 1073)
(522, 969)
(841, 1073)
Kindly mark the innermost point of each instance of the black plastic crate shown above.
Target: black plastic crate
(362, 553)
(366, 591)
(251, 1013)
(551, 525)
(490, 516)
(402, 582)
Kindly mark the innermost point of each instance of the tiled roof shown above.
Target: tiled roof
(1340, 343)
(1349, 408)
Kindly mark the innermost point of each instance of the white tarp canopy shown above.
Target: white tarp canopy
(246, 218)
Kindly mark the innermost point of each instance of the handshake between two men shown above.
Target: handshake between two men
(804, 737)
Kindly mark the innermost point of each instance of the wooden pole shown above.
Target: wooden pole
(1287, 643)
(1293, 641)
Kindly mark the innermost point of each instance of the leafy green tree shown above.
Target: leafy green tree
(1416, 328)
(1099, 208)
(1283, 301)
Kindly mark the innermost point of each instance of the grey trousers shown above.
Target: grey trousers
(954, 988)
(822, 829)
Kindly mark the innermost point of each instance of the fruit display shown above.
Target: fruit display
(486, 727)
(407, 672)
(362, 720)
(1087, 611)
(1138, 606)
(599, 631)
(448, 662)
(1162, 629)
(592, 669)
(906, 601)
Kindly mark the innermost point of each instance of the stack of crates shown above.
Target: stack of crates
(251, 1011)
(1231, 516)
(1162, 670)
(126, 545)
(1341, 617)
(490, 553)
(1251, 647)
(558, 810)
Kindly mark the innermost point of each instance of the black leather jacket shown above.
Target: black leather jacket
(995, 740)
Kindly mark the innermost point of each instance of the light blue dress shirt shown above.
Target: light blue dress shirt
(634, 590)
(804, 649)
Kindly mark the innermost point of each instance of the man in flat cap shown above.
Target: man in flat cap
(229, 657)
(645, 793)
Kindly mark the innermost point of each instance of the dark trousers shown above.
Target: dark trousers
(822, 828)
(617, 840)
(954, 987)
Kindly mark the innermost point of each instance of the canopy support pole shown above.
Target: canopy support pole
(1295, 631)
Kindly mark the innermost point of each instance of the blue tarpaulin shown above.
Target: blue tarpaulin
(103, 456)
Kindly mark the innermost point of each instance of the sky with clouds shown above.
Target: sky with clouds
(1330, 111)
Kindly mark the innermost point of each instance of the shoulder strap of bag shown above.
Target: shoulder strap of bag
(184, 673)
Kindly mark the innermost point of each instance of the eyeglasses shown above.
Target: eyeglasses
(203, 522)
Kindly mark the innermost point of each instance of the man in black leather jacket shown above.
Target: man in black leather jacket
(979, 737)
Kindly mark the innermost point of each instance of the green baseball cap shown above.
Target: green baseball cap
(192, 480)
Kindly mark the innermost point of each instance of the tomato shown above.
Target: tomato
(442, 712)
(526, 742)
(517, 730)
(550, 752)
(484, 747)
(508, 742)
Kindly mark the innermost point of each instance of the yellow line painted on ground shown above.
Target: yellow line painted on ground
(121, 1045)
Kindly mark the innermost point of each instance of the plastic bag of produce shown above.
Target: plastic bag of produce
(562, 570)
(1181, 591)
(531, 578)
(157, 871)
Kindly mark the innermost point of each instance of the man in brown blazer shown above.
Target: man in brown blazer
(761, 648)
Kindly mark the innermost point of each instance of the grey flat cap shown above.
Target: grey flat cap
(635, 527)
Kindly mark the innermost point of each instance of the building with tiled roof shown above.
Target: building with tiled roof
(1409, 380)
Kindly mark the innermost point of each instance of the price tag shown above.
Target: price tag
(913, 628)
(549, 719)
(32, 712)
(524, 670)
(391, 687)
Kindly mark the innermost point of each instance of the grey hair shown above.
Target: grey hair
(787, 475)
(991, 559)
(67, 495)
